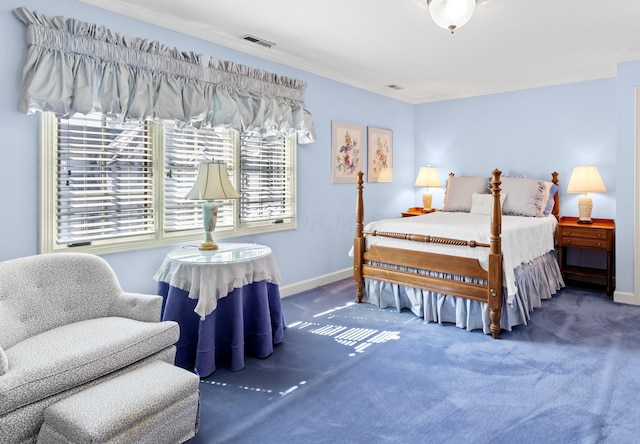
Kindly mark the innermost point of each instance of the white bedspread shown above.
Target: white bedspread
(523, 238)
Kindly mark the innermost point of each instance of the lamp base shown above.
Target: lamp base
(209, 219)
(427, 199)
(206, 245)
(585, 206)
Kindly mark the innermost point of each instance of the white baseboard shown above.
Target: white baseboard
(625, 298)
(289, 290)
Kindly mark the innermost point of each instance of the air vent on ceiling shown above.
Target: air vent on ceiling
(258, 41)
(393, 86)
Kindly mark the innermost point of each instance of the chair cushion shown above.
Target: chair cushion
(74, 354)
(42, 292)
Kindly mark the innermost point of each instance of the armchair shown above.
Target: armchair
(67, 325)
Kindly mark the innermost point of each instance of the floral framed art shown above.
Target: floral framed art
(380, 155)
(346, 151)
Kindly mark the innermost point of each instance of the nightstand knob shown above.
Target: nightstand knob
(599, 244)
(567, 241)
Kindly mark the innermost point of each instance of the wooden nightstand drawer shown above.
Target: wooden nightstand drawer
(585, 243)
(589, 233)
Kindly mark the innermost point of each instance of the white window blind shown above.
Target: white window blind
(104, 180)
(266, 180)
(184, 149)
(109, 186)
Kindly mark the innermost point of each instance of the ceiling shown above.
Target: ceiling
(507, 45)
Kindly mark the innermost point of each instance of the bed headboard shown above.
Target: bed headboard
(554, 179)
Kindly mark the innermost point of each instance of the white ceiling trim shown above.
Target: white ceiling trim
(275, 54)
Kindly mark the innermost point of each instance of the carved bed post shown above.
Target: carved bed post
(556, 200)
(495, 258)
(358, 241)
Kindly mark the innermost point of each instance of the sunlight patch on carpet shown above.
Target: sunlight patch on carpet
(358, 338)
(370, 313)
(352, 326)
(248, 388)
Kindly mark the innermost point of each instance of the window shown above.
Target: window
(266, 178)
(110, 186)
(184, 149)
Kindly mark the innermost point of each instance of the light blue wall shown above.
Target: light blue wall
(536, 131)
(530, 132)
(627, 79)
(326, 225)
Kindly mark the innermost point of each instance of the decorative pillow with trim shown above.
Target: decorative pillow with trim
(526, 197)
(553, 189)
(458, 192)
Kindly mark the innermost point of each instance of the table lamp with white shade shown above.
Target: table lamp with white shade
(585, 179)
(428, 178)
(212, 183)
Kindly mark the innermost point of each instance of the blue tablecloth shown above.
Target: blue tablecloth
(248, 320)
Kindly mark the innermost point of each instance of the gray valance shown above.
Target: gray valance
(77, 67)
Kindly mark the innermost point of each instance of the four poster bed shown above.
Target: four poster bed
(485, 261)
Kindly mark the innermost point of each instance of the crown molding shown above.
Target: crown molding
(274, 55)
(630, 56)
(517, 87)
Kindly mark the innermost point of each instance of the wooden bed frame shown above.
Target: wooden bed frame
(491, 293)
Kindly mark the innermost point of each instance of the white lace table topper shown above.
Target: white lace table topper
(209, 276)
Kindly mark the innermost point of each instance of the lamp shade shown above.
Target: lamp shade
(428, 177)
(212, 183)
(451, 14)
(586, 179)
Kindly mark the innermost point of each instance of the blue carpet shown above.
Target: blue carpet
(352, 373)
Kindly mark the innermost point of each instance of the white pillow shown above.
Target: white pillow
(458, 192)
(483, 203)
(527, 197)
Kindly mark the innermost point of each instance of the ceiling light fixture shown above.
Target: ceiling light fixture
(451, 14)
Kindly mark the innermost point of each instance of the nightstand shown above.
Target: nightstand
(416, 211)
(600, 235)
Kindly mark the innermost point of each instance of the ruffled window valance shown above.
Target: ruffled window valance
(77, 67)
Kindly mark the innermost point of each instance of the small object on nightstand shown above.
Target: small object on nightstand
(416, 211)
(600, 235)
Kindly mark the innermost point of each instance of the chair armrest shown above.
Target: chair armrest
(141, 307)
(4, 362)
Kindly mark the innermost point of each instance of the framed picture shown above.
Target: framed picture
(380, 155)
(346, 151)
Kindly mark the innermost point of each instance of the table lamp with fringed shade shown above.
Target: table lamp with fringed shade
(212, 183)
(585, 179)
(428, 178)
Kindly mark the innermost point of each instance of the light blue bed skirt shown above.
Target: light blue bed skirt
(540, 279)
